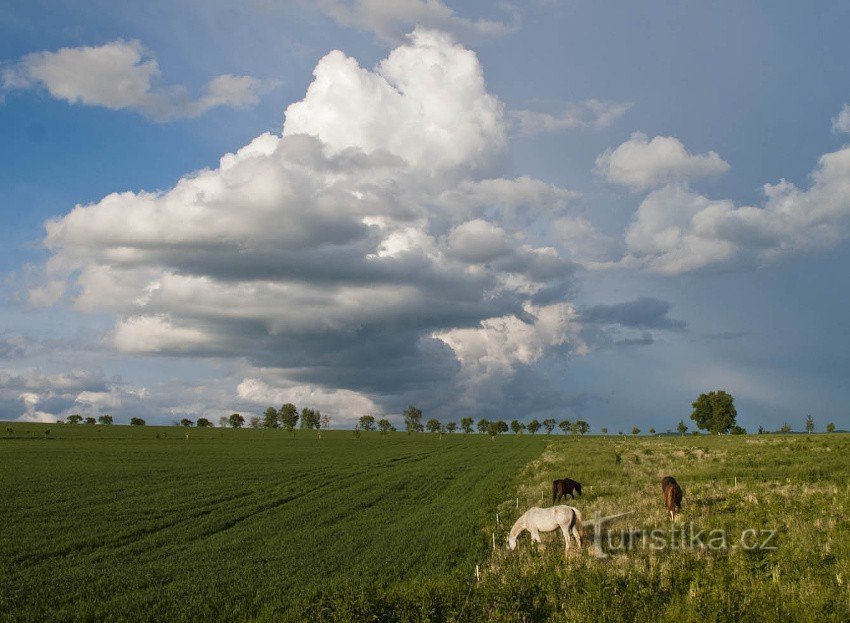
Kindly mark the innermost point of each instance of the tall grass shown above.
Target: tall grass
(796, 485)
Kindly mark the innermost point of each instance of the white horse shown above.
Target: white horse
(537, 520)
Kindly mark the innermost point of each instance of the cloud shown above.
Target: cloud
(335, 253)
(676, 230)
(426, 103)
(841, 123)
(37, 396)
(640, 163)
(344, 404)
(585, 243)
(390, 20)
(478, 241)
(123, 75)
(642, 313)
(592, 113)
(498, 345)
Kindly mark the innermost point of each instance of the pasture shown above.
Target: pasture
(253, 525)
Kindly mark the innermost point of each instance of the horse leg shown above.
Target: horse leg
(565, 530)
(535, 536)
(577, 535)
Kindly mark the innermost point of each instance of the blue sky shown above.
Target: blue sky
(594, 240)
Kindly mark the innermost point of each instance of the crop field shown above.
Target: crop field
(123, 523)
(113, 523)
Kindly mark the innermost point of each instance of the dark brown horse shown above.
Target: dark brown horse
(672, 495)
(564, 486)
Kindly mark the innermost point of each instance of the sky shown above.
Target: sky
(552, 209)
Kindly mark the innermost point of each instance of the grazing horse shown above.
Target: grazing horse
(672, 495)
(564, 486)
(537, 520)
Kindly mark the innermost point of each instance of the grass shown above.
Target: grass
(116, 524)
(142, 524)
(794, 484)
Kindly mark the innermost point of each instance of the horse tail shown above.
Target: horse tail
(578, 522)
(554, 490)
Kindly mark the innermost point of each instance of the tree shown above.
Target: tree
(483, 425)
(287, 417)
(270, 419)
(310, 418)
(136, 421)
(367, 422)
(91, 420)
(235, 420)
(738, 430)
(604, 430)
(384, 426)
(517, 426)
(433, 425)
(451, 427)
(549, 425)
(564, 425)
(715, 412)
(786, 428)
(413, 420)
(635, 430)
(186, 422)
(74, 418)
(580, 427)
(651, 430)
(223, 421)
(810, 424)
(324, 421)
(496, 428)
(682, 427)
(105, 420)
(255, 422)
(203, 422)
(830, 428)
(466, 425)
(533, 426)
(761, 430)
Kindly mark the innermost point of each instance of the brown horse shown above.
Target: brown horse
(672, 495)
(563, 487)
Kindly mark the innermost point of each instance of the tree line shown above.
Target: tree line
(413, 423)
(713, 412)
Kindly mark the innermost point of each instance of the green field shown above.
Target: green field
(121, 523)
(114, 523)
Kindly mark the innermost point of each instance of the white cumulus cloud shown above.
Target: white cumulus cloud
(841, 123)
(676, 230)
(641, 163)
(389, 20)
(123, 75)
(592, 113)
(334, 252)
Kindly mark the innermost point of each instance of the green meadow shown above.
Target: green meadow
(126, 523)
